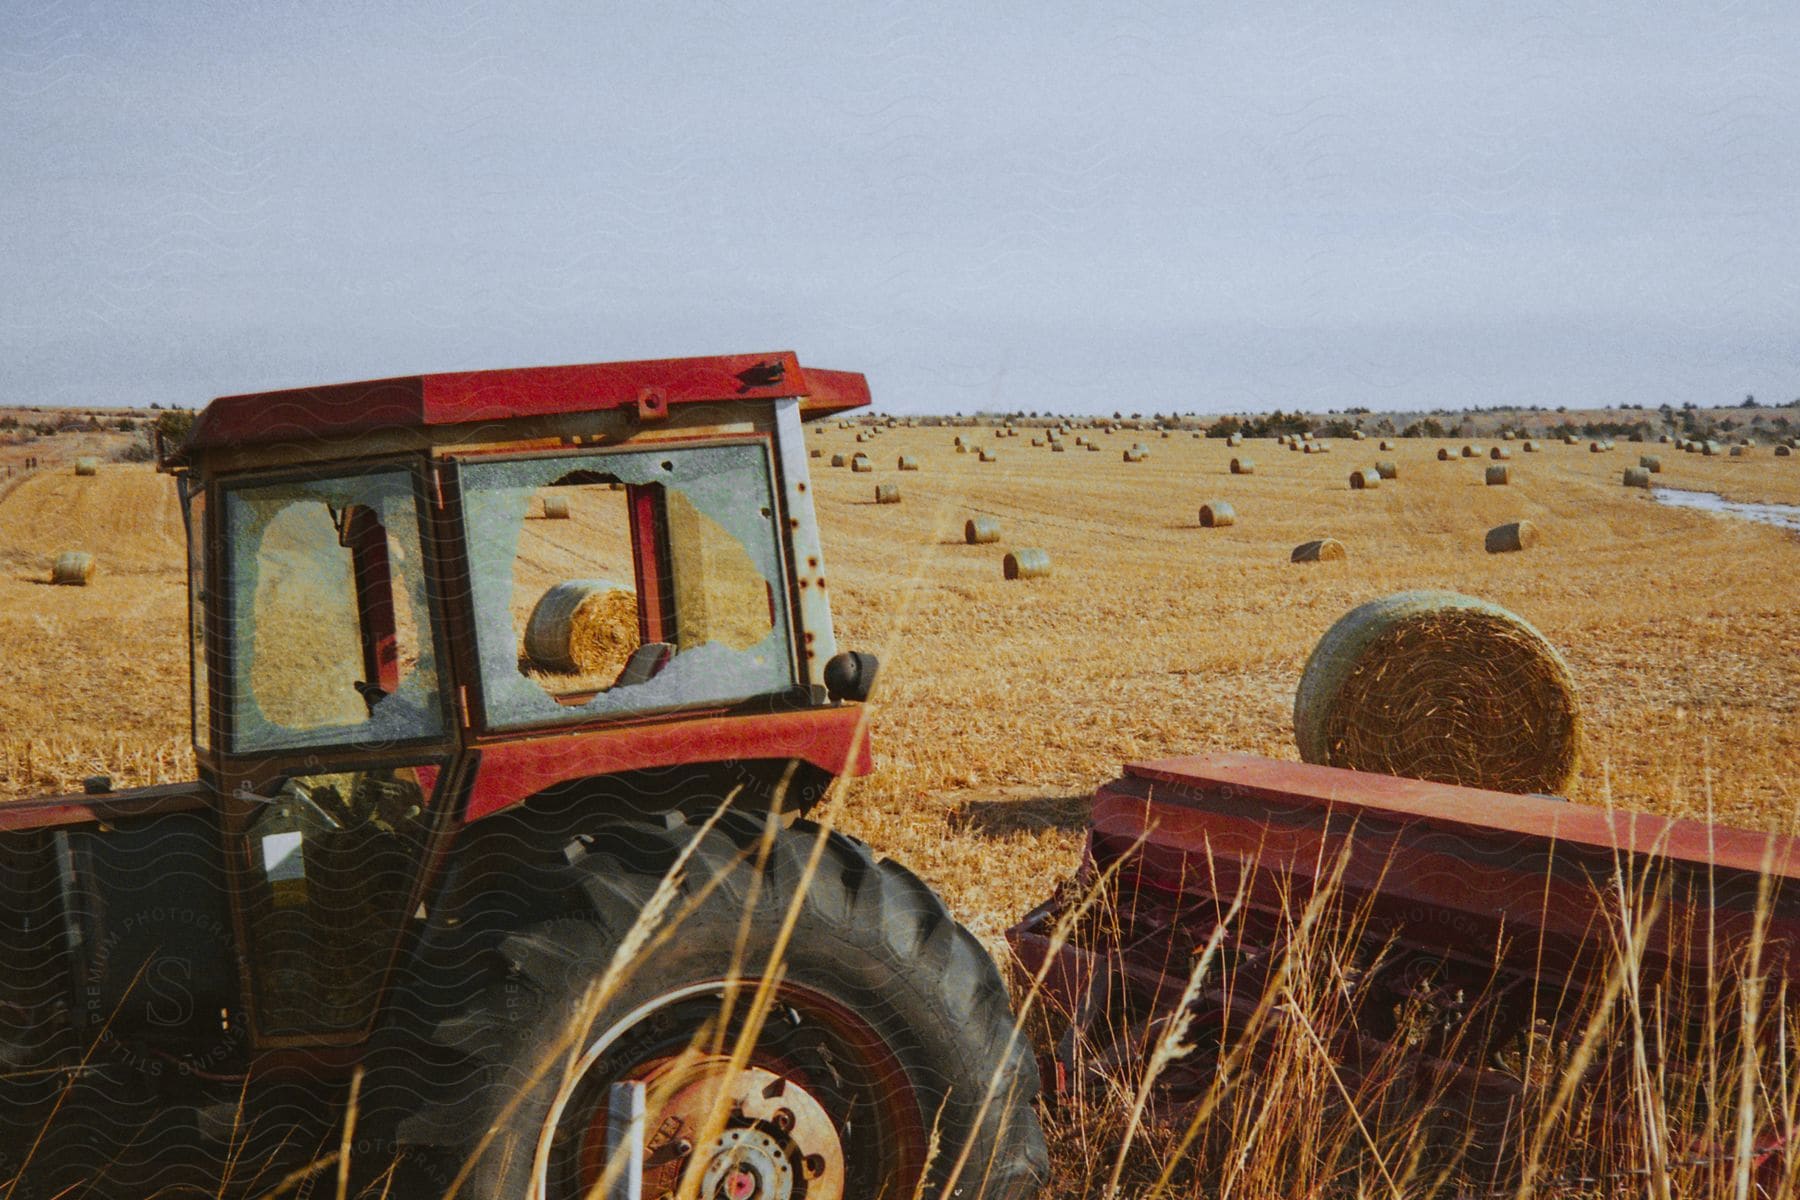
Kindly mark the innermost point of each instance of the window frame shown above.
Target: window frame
(794, 693)
(224, 665)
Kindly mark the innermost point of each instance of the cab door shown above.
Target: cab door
(334, 737)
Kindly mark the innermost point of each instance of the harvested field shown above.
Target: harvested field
(1001, 704)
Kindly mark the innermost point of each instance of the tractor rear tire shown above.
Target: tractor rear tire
(887, 1055)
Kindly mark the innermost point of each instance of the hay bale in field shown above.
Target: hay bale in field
(87, 466)
(1530, 447)
(1664, 439)
(1471, 450)
(981, 530)
(556, 508)
(1356, 435)
(1317, 448)
(1234, 439)
(1440, 686)
(1037, 441)
(1058, 448)
(989, 456)
(816, 453)
(1650, 463)
(1093, 446)
(1443, 454)
(1570, 439)
(1135, 456)
(1217, 515)
(1500, 454)
(1364, 477)
(1388, 469)
(1783, 452)
(862, 437)
(1514, 535)
(1385, 445)
(72, 568)
(1294, 445)
(906, 462)
(1026, 562)
(1322, 550)
(1740, 452)
(1637, 477)
(861, 464)
(887, 493)
(1499, 476)
(1506, 435)
(838, 460)
(1243, 466)
(1711, 449)
(583, 626)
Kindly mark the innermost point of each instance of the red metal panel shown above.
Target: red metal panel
(422, 401)
(832, 739)
(1461, 808)
(48, 812)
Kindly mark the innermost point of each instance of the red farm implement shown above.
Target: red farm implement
(1466, 932)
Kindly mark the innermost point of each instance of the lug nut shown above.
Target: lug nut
(814, 1164)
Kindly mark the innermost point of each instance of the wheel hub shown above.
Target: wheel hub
(776, 1141)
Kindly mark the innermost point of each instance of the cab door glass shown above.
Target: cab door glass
(328, 633)
(625, 581)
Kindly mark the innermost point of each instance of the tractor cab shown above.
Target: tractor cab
(421, 602)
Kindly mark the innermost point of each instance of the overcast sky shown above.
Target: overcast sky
(1195, 206)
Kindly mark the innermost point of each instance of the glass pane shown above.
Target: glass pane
(332, 859)
(328, 637)
(194, 501)
(561, 630)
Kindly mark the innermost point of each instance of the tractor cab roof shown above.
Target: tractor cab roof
(417, 404)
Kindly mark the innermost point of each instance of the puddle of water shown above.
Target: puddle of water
(1786, 516)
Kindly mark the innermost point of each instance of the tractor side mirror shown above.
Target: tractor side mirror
(850, 675)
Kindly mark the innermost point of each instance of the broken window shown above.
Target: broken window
(626, 581)
(328, 635)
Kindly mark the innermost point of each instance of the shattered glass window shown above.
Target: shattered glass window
(328, 634)
(628, 581)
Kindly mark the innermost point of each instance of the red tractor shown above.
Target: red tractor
(511, 691)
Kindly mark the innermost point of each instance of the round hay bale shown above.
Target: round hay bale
(838, 460)
(1471, 451)
(1026, 562)
(1058, 448)
(1650, 463)
(1783, 452)
(1515, 535)
(1711, 449)
(1356, 435)
(1037, 441)
(1596, 447)
(1443, 454)
(1134, 456)
(906, 462)
(1385, 445)
(887, 493)
(1295, 446)
(1234, 439)
(989, 456)
(1364, 477)
(861, 464)
(87, 466)
(817, 453)
(1322, 550)
(1499, 476)
(1243, 466)
(1440, 686)
(1217, 515)
(556, 508)
(1637, 477)
(862, 437)
(1664, 439)
(1317, 448)
(1094, 447)
(583, 626)
(1500, 454)
(1530, 446)
(72, 568)
(981, 530)
(1506, 435)
(1388, 469)
(1740, 452)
